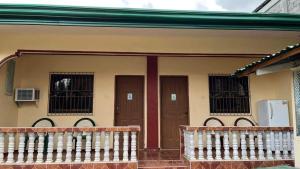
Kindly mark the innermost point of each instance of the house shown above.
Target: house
(94, 87)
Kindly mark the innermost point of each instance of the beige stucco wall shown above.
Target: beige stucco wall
(8, 109)
(297, 150)
(33, 71)
(272, 86)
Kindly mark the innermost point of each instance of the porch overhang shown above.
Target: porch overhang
(286, 58)
(21, 14)
(26, 52)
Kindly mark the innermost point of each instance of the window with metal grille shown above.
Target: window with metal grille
(71, 93)
(228, 95)
(297, 100)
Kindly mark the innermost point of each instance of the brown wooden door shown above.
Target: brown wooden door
(129, 103)
(174, 109)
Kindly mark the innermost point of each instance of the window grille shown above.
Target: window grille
(297, 100)
(228, 95)
(71, 93)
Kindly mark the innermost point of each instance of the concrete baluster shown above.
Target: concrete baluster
(60, 144)
(116, 146)
(69, 147)
(78, 147)
(209, 145)
(11, 148)
(97, 146)
(30, 148)
(218, 146)
(106, 146)
(226, 146)
(235, 145)
(125, 146)
(268, 146)
(244, 145)
(41, 138)
(285, 146)
(88, 147)
(133, 146)
(252, 146)
(277, 146)
(50, 148)
(261, 155)
(21, 148)
(200, 145)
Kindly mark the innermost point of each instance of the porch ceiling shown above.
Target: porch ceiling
(88, 16)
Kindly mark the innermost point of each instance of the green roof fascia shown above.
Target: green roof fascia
(25, 14)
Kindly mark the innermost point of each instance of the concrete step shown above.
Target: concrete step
(163, 164)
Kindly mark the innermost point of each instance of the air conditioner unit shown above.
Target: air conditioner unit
(26, 94)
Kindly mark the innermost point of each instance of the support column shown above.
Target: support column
(152, 102)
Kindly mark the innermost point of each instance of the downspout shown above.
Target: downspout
(8, 58)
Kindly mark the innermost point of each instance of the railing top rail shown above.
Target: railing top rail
(234, 128)
(68, 129)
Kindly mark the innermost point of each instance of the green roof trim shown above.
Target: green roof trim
(22, 14)
(263, 60)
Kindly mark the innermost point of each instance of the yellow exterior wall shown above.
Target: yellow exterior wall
(273, 86)
(34, 72)
(297, 151)
(8, 109)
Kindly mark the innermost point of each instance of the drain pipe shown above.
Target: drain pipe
(8, 58)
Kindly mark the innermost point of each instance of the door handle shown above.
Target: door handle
(117, 110)
(271, 107)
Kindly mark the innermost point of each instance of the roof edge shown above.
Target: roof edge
(289, 51)
(26, 14)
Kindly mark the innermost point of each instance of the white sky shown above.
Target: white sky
(200, 5)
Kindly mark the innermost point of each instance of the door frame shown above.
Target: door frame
(160, 104)
(143, 113)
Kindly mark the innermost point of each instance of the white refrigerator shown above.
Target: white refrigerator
(273, 113)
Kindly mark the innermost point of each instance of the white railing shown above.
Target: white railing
(237, 143)
(67, 145)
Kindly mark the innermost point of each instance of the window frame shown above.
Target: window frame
(229, 114)
(70, 113)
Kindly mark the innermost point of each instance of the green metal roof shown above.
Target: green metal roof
(265, 59)
(90, 16)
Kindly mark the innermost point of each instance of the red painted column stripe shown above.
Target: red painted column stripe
(152, 102)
